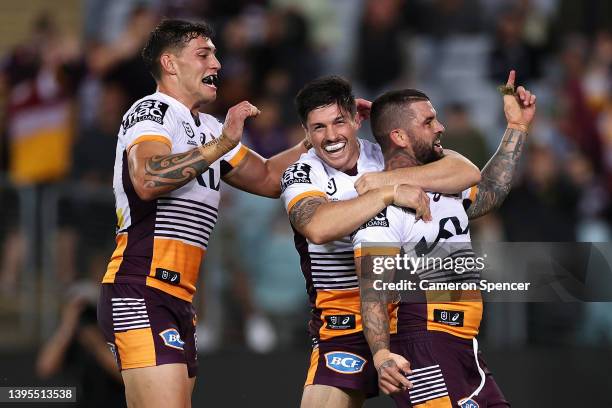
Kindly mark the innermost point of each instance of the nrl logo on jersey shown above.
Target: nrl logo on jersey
(380, 220)
(149, 109)
(188, 130)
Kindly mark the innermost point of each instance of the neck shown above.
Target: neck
(399, 158)
(190, 103)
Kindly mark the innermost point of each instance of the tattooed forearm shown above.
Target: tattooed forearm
(302, 212)
(374, 312)
(498, 173)
(375, 318)
(174, 170)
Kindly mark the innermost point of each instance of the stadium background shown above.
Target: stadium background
(69, 69)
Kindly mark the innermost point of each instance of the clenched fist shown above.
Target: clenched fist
(234, 121)
(415, 198)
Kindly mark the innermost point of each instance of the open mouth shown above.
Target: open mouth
(437, 144)
(334, 147)
(211, 80)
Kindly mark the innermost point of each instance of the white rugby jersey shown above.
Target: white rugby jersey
(329, 269)
(161, 243)
(446, 237)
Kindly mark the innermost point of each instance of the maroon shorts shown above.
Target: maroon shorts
(444, 372)
(146, 327)
(343, 362)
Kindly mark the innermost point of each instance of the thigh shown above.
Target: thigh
(190, 385)
(326, 396)
(164, 386)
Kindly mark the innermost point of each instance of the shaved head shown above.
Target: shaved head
(392, 111)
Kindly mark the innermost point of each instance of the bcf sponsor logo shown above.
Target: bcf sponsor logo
(345, 363)
(468, 403)
(172, 338)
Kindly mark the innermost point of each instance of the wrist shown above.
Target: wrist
(388, 194)
(380, 357)
(225, 143)
(220, 145)
(518, 126)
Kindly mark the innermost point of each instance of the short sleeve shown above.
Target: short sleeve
(379, 236)
(468, 196)
(302, 179)
(148, 120)
(234, 157)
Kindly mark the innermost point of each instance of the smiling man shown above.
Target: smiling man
(320, 194)
(426, 353)
(169, 161)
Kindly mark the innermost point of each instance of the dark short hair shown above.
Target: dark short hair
(322, 92)
(389, 112)
(171, 34)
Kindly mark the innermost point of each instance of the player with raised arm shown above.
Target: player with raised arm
(170, 159)
(324, 208)
(433, 341)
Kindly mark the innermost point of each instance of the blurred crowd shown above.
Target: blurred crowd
(62, 98)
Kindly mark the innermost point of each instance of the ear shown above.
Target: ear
(357, 119)
(399, 138)
(307, 134)
(167, 63)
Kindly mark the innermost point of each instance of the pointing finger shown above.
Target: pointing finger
(511, 78)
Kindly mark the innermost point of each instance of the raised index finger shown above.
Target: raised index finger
(511, 78)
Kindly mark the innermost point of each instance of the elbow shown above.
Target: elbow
(318, 239)
(317, 236)
(274, 190)
(143, 193)
(475, 176)
(273, 182)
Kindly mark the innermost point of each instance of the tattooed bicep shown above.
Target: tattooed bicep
(302, 212)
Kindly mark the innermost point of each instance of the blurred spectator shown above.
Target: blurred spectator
(39, 105)
(542, 208)
(267, 282)
(445, 18)
(39, 78)
(379, 60)
(121, 58)
(91, 237)
(463, 136)
(284, 60)
(267, 135)
(77, 351)
(586, 16)
(511, 51)
(577, 119)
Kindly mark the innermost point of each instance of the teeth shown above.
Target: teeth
(210, 80)
(334, 147)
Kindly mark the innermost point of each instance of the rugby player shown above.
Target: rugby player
(324, 208)
(169, 161)
(433, 339)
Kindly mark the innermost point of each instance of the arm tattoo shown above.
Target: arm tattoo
(174, 170)
(374, 312)
(498, 173)
(302, 212)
